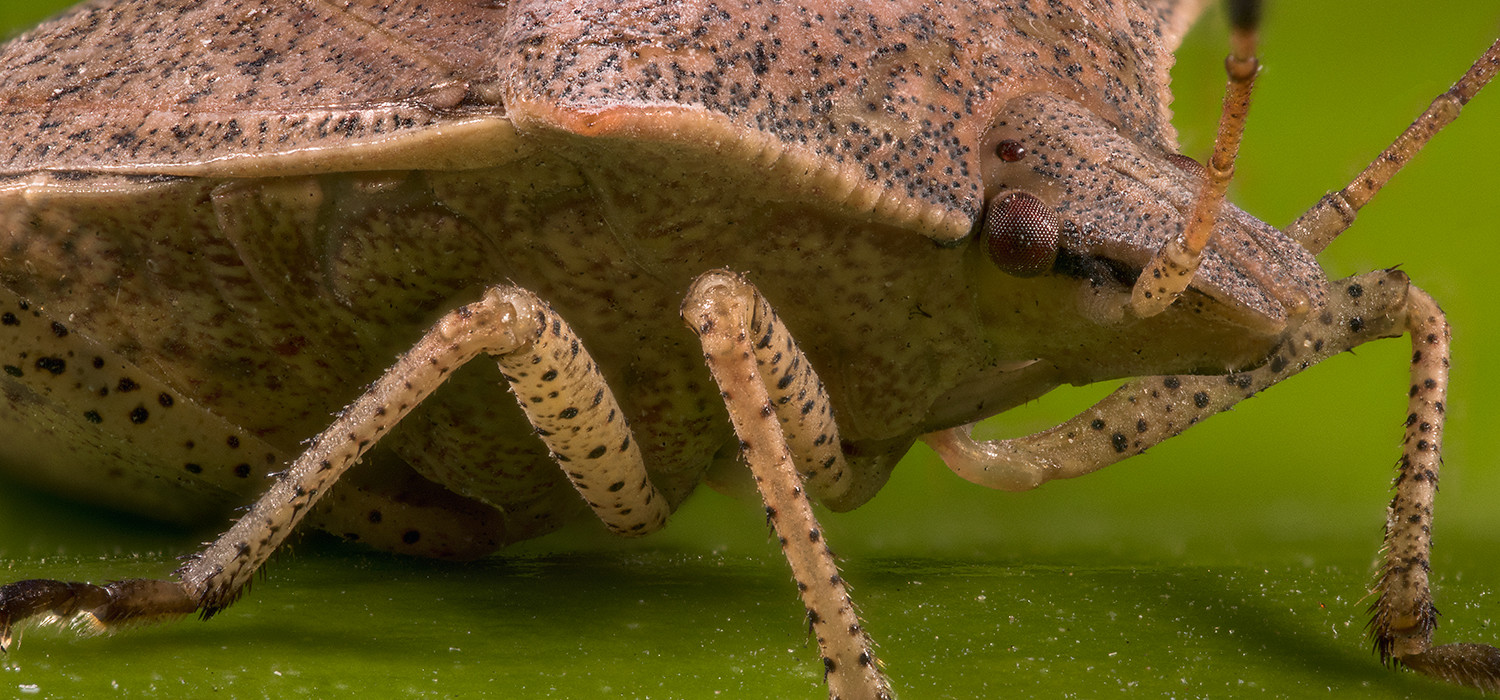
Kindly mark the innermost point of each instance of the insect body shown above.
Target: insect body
(553, 177)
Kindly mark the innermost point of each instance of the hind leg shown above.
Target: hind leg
(559, 388)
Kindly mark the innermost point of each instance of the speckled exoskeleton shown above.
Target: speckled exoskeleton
(221, 219)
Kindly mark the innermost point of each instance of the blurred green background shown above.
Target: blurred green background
(1229, 562)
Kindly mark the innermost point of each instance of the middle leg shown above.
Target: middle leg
(755, 362)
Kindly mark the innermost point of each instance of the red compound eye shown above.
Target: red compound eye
(1021, 234)
(1010, 150)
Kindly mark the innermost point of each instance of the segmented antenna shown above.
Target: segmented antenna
(1170, 271)
(1335, 212)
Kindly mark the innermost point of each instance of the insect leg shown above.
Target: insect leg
(731, 320)
(802, 405)
(1403, 613)
(1146, 411)
(555, 380)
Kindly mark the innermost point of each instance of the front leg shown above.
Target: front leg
(1404, 616)
(1146, 411)
(741, 336)
(557, 383)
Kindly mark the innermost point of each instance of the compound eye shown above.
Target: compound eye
(1021, 234)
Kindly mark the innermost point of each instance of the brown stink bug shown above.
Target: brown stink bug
(203, 258)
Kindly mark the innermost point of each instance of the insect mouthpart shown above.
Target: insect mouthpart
(1098, 271)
